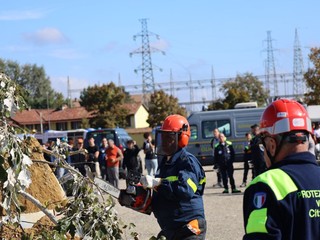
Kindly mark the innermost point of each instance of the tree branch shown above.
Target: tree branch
(39, 205)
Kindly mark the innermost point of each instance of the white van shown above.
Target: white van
(234, 123)
(50, 135)
(76, 133)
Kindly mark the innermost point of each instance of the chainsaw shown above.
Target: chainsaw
(134, 196)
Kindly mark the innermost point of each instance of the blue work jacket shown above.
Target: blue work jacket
(284, 202)
(178, 200)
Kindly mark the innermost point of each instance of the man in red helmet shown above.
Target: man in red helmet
(284, 201)
(178, 184)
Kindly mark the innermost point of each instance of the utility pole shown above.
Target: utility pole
(41, 123)
(298, 71)
(69, 93)
(270, 67)
(48, 110)
(146, 67)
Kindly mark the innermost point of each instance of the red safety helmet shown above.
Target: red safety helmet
(285, 115)
(179, 124)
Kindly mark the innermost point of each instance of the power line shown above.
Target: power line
(146, 67)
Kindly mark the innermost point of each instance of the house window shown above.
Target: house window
(128, 120)
(46, 127)
(61, 126)
(30, 127)
(75, 125)
(38, 127)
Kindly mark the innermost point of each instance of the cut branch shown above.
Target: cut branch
(39, 205)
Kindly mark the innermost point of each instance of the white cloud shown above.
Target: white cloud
(46, 36)
(160, 44)
(21, 15)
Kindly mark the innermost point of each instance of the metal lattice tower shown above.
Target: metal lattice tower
(270, 67)
(298, 70)
(146, 67)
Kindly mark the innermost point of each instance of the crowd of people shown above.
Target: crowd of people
(105, 160)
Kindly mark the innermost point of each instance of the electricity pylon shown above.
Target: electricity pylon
(146, 67)
(298, 71)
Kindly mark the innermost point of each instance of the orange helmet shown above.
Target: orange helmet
(285, 115)
(179, 124)
(173, 135)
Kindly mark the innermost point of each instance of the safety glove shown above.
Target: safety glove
(149, 181)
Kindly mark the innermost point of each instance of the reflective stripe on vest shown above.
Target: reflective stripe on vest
(189, 181)
(279, 181)
(281, 185)
(257, 221)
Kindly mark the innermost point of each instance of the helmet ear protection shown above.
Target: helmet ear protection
(184, 136)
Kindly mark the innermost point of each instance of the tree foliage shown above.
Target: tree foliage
(312, 77)
(162, 105)
(243, 88)
(88, 215)
(38, 91)
(217, 105)
(107, 102)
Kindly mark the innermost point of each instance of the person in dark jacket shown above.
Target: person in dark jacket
(102, 158)
(151, 160)
(78, 160)
(283, 202)
(258, 161)
(224, 156)
(247, 159)
(93, 157)
(213, 142)
(178, 185)
(130, 157)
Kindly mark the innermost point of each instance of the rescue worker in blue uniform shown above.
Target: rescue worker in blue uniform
(283, 202)
(247, 160)
(258, 161)
(178, 184)
(216, 169)
(224, 156)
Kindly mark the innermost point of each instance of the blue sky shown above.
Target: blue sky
(90, 42)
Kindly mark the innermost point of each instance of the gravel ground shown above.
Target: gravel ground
(223, 212)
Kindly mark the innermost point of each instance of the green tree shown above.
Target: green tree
(217, 105)
(106, 102)
(312, 77)
(162, 105)
(243, 88)
(38, 92)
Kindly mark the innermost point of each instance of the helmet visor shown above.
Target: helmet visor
(166, 142)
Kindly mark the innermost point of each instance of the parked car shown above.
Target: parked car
(118, 135)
